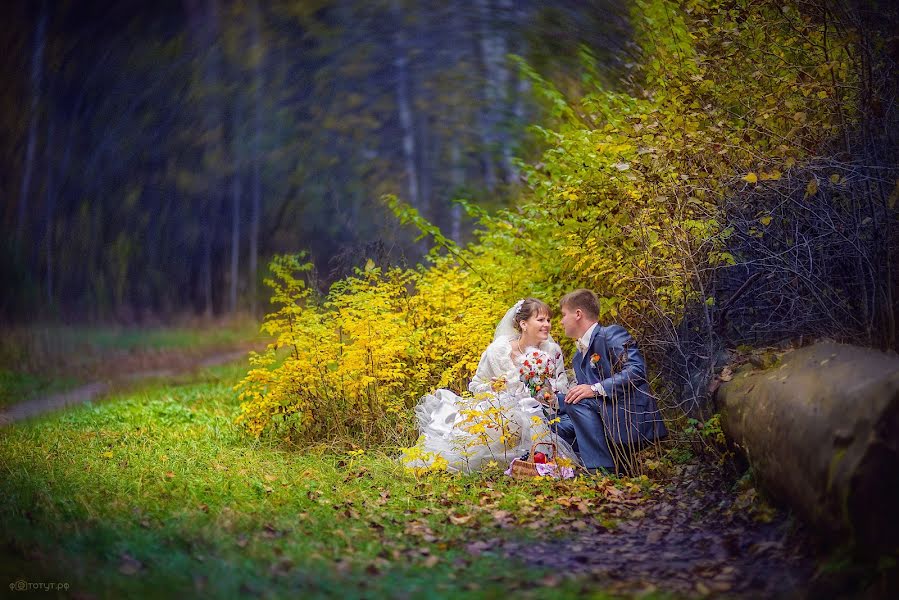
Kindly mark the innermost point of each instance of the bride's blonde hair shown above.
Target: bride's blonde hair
(529, 308)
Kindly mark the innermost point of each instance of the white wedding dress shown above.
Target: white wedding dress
(469, 432)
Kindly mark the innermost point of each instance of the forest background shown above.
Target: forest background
(156, 156)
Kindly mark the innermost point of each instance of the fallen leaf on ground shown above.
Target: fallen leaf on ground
(460, 519)
(431, 561)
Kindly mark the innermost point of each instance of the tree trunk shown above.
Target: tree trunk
(50, 211)
(457, 175)
(404, 104)
(204, 17)
(820, 431)
(493, 51)
(235, 241)
(501, 66)
(37, 69)
(522, 91)
(256, 199)
(423, 168)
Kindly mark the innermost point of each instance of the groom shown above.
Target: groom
(611, 404)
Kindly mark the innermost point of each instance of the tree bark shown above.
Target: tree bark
(404, 104)
(457, 175)
(820, 431)
(235, 242)
(204, 16)
(493, 51)
(256, 198)
(37, 69)
(50, 210)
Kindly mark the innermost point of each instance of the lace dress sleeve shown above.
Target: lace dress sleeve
(561, 376)
(490, 367)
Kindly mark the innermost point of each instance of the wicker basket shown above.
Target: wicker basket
(525, 469)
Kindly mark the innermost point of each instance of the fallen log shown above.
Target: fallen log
(821, 431)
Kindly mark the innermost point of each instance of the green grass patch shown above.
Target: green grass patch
(157, 493)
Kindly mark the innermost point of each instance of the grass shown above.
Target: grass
(156, 493)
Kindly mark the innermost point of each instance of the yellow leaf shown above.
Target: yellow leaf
(822, 94)
(765, 220)
(750, 178)
(772, 176)
(835, 178)
(369, 265)
(107, 454)
(790, 162)
(812, 188)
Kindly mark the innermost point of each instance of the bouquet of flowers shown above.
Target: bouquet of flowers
(537, 372)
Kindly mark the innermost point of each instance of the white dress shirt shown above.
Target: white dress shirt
(583, 343)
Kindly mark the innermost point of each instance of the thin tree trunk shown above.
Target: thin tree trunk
(256, 201)
(235, 216)
(49, 213)
(459, 50)
(404, 104)
(522, 91)
(207, 271)
(458, 180)
(425, 184)
(205, 16)
(502, 80)
(40, 36)
(490, 98)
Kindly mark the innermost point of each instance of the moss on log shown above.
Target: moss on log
(821, 431)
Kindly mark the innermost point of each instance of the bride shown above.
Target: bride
(502, 418)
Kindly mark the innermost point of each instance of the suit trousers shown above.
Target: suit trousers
(581, 426)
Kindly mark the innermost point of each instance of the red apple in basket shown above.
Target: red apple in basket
(539, 457)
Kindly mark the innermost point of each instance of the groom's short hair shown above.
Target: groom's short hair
(581, 299)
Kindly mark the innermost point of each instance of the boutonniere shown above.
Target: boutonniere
(594, 359)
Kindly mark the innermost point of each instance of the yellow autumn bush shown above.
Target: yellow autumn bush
(351, 366)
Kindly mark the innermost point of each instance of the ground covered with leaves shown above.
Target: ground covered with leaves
(157, 492)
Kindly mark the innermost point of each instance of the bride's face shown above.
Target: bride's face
(537, 327)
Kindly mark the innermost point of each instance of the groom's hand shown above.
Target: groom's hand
(578, 393)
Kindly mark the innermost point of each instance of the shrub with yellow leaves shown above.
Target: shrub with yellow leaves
(351, 366)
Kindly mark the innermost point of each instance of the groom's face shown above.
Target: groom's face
(571, 322)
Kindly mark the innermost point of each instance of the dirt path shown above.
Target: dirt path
(165, 365)
(693, 538)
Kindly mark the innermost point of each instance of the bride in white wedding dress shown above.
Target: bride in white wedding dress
(503, 418)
